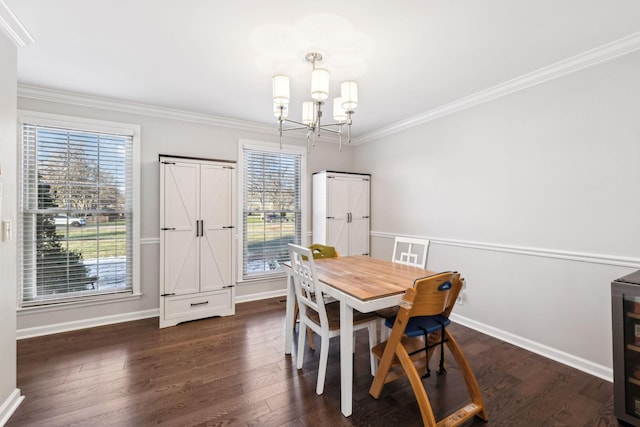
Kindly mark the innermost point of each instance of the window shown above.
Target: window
(78, 215)
(272, 183)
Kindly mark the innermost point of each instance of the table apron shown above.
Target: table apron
(364, 306)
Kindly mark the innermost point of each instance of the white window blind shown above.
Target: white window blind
(76, 194)
(272, 212)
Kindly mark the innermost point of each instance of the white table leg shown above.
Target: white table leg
(289, 320)
(346, 358)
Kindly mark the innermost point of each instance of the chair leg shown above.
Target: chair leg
(428, 419)
(373, 336)
(322, 366)
(384, 331)
(301, 337)
(384, 366)
(312, 344)
(467, 373)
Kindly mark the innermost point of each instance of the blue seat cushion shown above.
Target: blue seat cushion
(417, 325)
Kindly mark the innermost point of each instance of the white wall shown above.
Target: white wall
(160, 136)
(534, 198)
(9, 394)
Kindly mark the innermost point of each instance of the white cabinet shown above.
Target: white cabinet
(197, 241)
(341, 211)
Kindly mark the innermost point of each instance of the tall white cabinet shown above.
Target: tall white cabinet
(197, 239)
(341, 211)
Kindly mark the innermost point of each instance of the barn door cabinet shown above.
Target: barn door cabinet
(197, 239)
(341, 211)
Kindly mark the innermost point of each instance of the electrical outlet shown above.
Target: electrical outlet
(461, 298)
(6, 230)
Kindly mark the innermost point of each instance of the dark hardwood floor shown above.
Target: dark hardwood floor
(232, 371)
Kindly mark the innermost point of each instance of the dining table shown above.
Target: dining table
(358, 282)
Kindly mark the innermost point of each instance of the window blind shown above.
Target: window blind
(76, 193)
(272, 212)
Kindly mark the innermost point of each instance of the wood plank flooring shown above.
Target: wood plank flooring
(232, 371)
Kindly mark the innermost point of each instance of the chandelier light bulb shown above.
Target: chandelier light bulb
(339, 114)
(308, 113)
(320, 84)
(280, 89)
(349, 95)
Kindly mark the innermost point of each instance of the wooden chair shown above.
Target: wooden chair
(317, 315)
(426, 308)
(410, 251)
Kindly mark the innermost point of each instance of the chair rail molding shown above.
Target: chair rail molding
(592, 258)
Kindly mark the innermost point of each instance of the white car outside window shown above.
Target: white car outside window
(62, 220)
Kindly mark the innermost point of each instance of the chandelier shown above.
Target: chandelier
(343, 106)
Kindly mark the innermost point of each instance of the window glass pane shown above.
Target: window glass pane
(271, 209)
(76, 219)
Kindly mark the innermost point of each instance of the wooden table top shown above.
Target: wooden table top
(367, 278)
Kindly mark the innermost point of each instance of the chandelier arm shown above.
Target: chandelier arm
(317, 124)
(330, 130)
(349, 113)
(305, 127)
(338, 124)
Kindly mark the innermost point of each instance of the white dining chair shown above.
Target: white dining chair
(321, 317)
(409, 251)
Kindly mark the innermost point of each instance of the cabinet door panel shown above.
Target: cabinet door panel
(359, 198)
(338, 235)
(337, 197)
(359, 237)
(215, 269)
(215, 196)
(179, 216)
(216, 208)
(180, 263)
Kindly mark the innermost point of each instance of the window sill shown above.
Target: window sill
(106, 299)
(264, 278)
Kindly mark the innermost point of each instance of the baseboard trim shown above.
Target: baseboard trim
(579, 363)
(85, 323)
(10, 405)
(261, 296)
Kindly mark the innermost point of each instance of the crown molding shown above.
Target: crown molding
(53, 95)
(11, 26)
(587, 59)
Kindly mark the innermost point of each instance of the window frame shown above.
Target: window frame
(274, 148)
(95, 126)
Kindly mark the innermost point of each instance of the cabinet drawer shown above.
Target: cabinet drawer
(214, 303)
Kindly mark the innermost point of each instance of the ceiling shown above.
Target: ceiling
(217, 58)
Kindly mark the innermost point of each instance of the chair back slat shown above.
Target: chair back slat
(434, 294)
(410, 251)
(308, 290)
